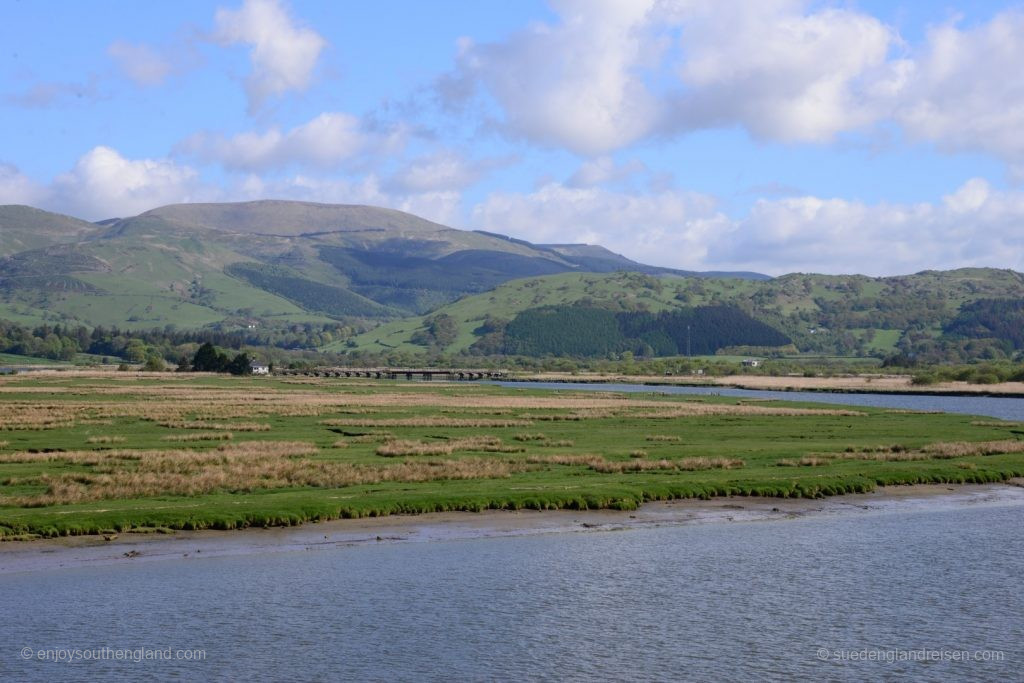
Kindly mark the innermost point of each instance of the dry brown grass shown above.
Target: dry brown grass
(526, 436)
(488, 444)
(996, 423)
(4, 444)
(807, 461)
(192, 473)
(105, 439)
(639, 453)
(942, 450)
(201, 436)
(372, 437)
(340, 443)
(601, 464)
(229, 426)
(425, 422)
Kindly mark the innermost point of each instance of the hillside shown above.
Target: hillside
(23, 228)
(930, 313)
(264, 263)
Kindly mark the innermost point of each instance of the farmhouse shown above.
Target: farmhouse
(259, 368)
(750, 362)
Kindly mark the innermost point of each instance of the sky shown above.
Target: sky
(875, 137)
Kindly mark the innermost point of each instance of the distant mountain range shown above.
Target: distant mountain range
(276, 262)
(423, 286)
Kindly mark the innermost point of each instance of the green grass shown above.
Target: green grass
(536, 479)
(14, 359)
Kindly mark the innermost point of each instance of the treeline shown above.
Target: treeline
(64, 342)
(999, 319)
(587, 332)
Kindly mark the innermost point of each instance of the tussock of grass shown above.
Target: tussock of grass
(228, 426)
(807, 461)
(488, 444)
(372, 437)
(105, 439)
(426, 422)
(202, 436)
(340, 443)
(600, 464)
(525, 436)
(639, 453)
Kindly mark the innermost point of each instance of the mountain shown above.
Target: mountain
(958, 314)
(23, 227)
(268, 263)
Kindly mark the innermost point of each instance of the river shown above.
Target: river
(991, 406)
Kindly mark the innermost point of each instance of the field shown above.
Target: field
(87, 453)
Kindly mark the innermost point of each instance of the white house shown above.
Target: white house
(750, 362)
(259, 368)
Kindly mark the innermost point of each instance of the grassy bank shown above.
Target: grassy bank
(100, 454)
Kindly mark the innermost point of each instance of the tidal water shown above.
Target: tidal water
(991, 406)
(907, 593)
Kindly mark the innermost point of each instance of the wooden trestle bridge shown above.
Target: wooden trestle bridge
(425, 374)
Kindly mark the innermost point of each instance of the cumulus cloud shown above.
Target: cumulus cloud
(975, 225)
(103, 184)
(606, 75)
(571, 84)
(140, 63)
(327, 141)
(604, 170)
(782, 73)
(441, 206)
(17, 188)
(283, 53)
(445, 170)
(964, 89)
(669, 228)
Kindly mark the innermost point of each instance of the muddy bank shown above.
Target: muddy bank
(85, 551)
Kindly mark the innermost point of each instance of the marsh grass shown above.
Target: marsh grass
(426, 422)
(487, 444)
(663, 437)
(105, 439)
(201, 436)
(228, 426)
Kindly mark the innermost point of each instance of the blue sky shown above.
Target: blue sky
(771, 135)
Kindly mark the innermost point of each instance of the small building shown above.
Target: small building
(750, 362)
(259, 368)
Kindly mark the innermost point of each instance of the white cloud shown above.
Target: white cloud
(17, 188)
(324, 142)
(104, 184)
(669, 228)
(780, 72)
(964, 89)
(283, 53)
(441, 171)
(604, 170)
(973, 226)
(140, 63)
(570, 84)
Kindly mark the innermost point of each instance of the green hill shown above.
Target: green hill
(822, 314)
(23, 228)
(269, 263)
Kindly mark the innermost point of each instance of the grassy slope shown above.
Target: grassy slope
(23, 227)
(760, 441)
(778, 302)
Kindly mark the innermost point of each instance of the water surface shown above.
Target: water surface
(722, 601)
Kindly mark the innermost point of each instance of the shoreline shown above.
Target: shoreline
(91, 551)
(899, 385)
